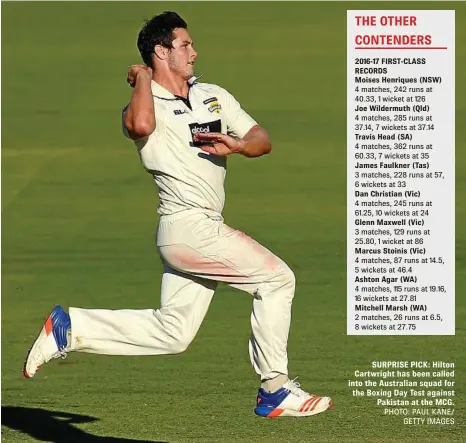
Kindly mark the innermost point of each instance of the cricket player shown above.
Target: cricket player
(184, 130)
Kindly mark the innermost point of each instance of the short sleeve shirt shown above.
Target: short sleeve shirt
(186, 176)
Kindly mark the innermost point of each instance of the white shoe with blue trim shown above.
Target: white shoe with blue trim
(51, 343)
(290, 401)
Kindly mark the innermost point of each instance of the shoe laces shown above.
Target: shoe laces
(295, 388)
(61, 354)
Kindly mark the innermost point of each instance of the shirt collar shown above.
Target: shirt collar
(161, 92)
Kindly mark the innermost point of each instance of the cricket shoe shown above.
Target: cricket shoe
(52, 342)
(290, 401)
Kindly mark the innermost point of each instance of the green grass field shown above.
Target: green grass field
(79, 213)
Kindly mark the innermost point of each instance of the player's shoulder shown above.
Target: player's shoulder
(215, 91)
(208, 88)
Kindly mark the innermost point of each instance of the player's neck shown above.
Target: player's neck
(174, 84)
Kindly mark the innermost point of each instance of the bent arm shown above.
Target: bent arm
(139, 117)
(255, 143)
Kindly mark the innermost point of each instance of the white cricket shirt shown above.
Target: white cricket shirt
(186, 176)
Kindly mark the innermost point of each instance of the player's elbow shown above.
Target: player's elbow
(266, 145)
(142, 128)
(139, 127)
(262, 143)
(258, 149)
(267, 149)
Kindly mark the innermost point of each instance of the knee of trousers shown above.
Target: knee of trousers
(282, 278)
(179, 341)
(180, 346)
(178, 334)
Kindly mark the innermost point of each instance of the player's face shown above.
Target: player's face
(183, 55)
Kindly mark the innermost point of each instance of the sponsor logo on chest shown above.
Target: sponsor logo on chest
(213, 105)
(203, 128)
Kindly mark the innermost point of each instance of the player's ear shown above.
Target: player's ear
(161, 52)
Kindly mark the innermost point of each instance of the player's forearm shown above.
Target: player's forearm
(255, 143)
(140, 117)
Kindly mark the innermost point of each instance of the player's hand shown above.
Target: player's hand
(136, 70)
(222, 144)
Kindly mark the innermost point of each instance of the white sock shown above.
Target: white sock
(274, 384)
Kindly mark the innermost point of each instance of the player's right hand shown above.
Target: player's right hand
(136, 70)
(220, 144)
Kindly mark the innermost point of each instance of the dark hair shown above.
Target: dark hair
(158, 31)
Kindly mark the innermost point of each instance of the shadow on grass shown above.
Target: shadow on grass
(56, 427)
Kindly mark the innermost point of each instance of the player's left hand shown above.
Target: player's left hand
(222, 144)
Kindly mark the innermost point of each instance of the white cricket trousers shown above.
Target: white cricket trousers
(198, 251)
